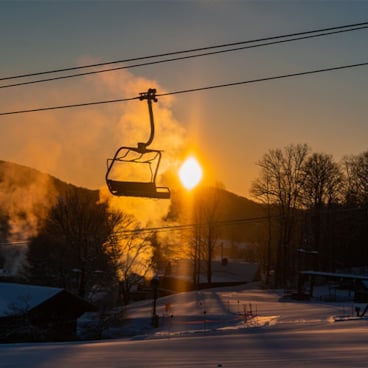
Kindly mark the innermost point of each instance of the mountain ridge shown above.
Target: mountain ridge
(21, 185)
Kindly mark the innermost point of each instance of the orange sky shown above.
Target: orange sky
(229, 129)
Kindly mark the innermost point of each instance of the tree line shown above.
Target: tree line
(317, 210)
(86, 248)
(314, 211)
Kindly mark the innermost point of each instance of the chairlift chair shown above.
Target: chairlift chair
(132, 171)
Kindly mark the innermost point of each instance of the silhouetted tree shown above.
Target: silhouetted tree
(206, 212)
(263, 193)
(322, 192)
(281, 183)
(354, 223)
(356, 170)
(323, 181)
(70, 251)
(134, 258)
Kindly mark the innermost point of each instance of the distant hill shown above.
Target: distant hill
(25, 197)
(18, 177)
(237, 216)
(26, 190)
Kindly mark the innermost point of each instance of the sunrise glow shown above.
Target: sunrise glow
(190, 173)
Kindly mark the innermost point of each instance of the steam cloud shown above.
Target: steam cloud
(73, 145)
(25, 197)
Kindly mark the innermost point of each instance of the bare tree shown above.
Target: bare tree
(133, 259)
(356, 171)
(263, 193)
(70, 251)
(206, 215)
(196, 250)
(353, 249)
(323, 181)
(322, 189)
(280, 183)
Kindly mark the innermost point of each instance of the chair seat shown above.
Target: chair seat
(137, 189)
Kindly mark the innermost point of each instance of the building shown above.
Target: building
(38, 313)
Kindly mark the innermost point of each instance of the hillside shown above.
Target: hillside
(209, 328)
(25, 195)
(236, 216)
(14, 177)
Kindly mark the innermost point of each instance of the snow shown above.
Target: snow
(208, 328)
(19, 298)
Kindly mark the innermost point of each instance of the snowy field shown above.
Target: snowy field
(232, 327)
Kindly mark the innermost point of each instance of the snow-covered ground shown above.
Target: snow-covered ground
(214, 328)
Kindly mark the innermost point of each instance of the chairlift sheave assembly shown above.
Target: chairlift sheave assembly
(132, 171)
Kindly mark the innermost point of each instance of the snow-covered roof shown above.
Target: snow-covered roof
(335, 275)
(17, 299)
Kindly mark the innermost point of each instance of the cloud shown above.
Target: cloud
(73, 144)
(133, 126)
(25, 198)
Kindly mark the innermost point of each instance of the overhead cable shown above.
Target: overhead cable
(178, 58)
(280, 39)
(264, 79)
(195, 225)
(60, 107)
(184, 227)
(172, 59)
(231, 84)
(218, 223)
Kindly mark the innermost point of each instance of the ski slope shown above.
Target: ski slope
(208, 329)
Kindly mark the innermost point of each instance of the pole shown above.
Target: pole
(155, 282)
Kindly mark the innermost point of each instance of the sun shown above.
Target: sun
(190, 173)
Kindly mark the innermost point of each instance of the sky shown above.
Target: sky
(228, 129)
